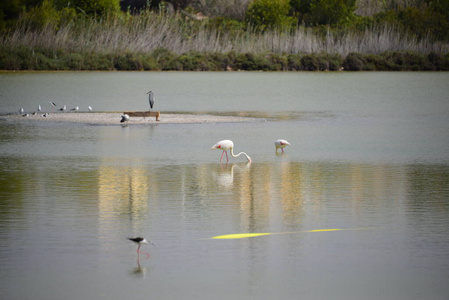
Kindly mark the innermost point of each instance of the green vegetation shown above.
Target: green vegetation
(269, 35)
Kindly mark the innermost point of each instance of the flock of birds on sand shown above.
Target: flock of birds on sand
(53, 105)
(124, 117)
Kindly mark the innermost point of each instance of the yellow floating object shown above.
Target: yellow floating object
(319, 230)
(239, 235)
(248, 235)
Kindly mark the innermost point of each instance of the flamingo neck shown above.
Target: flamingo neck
(234, 155)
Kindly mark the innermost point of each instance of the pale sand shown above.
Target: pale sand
(113, 118)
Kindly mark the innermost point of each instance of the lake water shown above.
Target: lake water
(369, 156)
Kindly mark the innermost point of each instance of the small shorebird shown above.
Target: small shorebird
(140, 241)
(62, 108)
(125, 118)
(89, 108)
(53, 106)
(76, 108)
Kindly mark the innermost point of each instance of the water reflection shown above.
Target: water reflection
(139, 271)
(90, 208)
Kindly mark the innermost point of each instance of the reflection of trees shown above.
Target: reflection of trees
(257, 196)
(428, 188)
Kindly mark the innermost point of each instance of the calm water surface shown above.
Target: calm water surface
(369, 156)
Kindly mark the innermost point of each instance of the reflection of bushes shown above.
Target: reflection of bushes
(23, 58)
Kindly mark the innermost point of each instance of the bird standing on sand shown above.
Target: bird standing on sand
(53, 106)
(21, 110)
(151, 98)
(125, 118)
(89, 108)
(228, 145)
(140, 241)
(63, 108)
(281, 144)
(76, 108)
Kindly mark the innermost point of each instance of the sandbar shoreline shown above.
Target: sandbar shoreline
(113, 118)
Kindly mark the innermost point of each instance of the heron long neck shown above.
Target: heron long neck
(232, 153)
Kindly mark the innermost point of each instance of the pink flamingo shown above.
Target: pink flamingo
(226, 145)
(281, 144)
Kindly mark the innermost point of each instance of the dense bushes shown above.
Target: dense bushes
(22, 58)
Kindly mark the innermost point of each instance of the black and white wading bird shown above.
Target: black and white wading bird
(63, 108)
(151, 98)
(125, 118)
(140, 241)
(76, 108)
(53, 106)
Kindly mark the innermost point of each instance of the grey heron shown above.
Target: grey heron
(151, 98)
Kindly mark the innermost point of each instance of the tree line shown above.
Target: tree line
(247, 34)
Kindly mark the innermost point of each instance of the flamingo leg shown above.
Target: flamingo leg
(222, 155)
(227, 158)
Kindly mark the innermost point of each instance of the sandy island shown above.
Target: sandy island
(113, 118)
